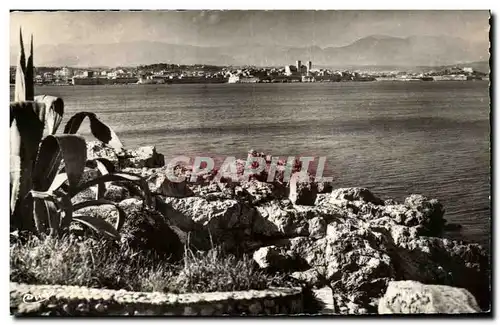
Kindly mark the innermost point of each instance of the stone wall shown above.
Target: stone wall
(56, 300)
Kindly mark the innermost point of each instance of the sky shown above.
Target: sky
(227, 28)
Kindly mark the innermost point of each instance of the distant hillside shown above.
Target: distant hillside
(374, 50)
(481, 66)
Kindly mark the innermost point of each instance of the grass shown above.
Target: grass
(102, 264)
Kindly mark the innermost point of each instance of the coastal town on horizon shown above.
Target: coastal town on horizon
(164, 73)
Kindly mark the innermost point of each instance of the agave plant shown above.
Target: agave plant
(46, 172)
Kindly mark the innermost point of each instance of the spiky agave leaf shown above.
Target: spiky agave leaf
(27, 122)
(26, 130)
(121, 214)
(20, 86)
(53, 113)
(98, 225)
(44, 211)
(46, 215)
(29, 74)
(100, 130)
(101, 187)
(118, 177)
(104, 166)
(53, 149)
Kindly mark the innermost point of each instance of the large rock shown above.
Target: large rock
(429, 213)
(357, 264)
(281, 218)
(356, 194)
(159, 183)
(303, 190)
(258, 192)
(274, 258)
(311, 277)
(349, 239)
(417, 210)
(97, 149)
(194, 213)
(142, 157)
(435, 260)
(411, 297)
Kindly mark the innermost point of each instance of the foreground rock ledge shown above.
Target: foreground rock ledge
(411, 297)
(55, 300)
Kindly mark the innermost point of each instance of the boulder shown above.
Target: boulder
(97, 149)
(142, 157)
(303, 190)
(281, 218)
(159, 183)
(428, 213)
(213, 191)
(355, 194)
(312, 277)
(257, 192)
(357, 264)
(317, 227)
(274, 258)
(325, 187)
(435, 260)
(193, 213)
(309, 250)
(412, 297)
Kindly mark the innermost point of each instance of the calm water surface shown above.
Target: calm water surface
(395, 138)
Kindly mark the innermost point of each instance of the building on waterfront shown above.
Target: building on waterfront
(298, 70)
(63, 73)
(308, 79)
(291, 70)
(88, 74)
(309, 67)
(238, 78)
(48, 77)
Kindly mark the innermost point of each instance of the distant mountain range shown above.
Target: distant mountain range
(375, 50)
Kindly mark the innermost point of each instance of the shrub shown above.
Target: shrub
(215, 271)
(104, 264)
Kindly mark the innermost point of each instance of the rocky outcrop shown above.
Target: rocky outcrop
(159, 183)
(97, 149)
(303, 189)
(143, 157)
(355, 194)
(347, 239)
(411, 297)
(274, 258)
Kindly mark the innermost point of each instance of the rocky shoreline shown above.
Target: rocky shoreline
(347, 239)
